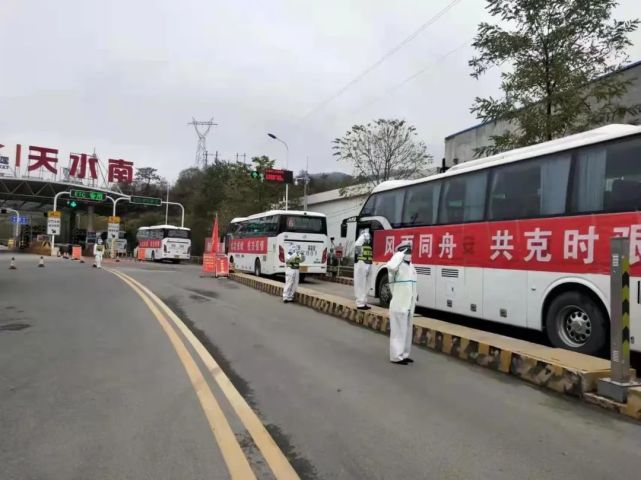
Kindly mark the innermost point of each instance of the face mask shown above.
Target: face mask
(407, 257)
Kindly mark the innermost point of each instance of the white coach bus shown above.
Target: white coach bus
(522, 237)
(258, 243)
(165, 242)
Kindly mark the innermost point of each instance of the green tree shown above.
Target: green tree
(383, 150)
(226, 189)
(553, 52)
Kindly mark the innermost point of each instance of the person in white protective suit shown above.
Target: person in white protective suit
(292, 272)
(362, 268)
(98, 251)
(402, 282)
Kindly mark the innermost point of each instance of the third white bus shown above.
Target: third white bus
(165, 242)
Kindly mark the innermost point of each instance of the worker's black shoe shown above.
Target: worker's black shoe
(288, 301)
(401, 362)
(365, 307)
(409, 360)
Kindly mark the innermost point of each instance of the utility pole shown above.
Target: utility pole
(305, 184)
(201, 149)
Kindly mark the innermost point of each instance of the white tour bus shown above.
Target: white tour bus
(258, 243)
(522, 237)
(165, 242)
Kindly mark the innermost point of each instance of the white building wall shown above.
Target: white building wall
(461, 145)
(337, 208)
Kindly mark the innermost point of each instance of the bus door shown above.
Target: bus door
(374, 224)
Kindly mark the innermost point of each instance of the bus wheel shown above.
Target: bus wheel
(384, 291)
(302, 277)
(574, 321)
(257, 271)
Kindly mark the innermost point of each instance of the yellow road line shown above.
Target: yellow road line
(273, 455)
(233, 455)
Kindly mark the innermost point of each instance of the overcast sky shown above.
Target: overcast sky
(126, 76)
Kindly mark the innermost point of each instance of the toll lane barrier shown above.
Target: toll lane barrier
(559, 370)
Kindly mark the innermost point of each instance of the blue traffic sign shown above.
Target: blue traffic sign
(21, 220)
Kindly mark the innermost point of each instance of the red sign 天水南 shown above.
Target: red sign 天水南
(579, 244)
(81, 165)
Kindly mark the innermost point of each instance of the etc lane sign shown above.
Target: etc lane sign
(87, 195)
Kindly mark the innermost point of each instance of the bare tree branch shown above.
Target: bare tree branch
(383, 150)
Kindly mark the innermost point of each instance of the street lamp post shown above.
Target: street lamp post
(274, 137)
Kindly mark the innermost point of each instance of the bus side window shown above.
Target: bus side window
(608, 177)
(271, 225)
(389, 204)
(463, 198)
(421, 202)
(530, 189)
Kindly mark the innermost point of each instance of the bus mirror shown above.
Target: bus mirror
(344, 229)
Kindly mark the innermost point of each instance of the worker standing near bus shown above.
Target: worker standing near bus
(98, 251)
(292, 272)
(362, 267)
(402, 281)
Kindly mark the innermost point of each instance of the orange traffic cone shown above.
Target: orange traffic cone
(41, 263)
(13, 264)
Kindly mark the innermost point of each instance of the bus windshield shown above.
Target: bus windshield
(303, 224)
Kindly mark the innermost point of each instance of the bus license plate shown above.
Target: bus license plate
(303, 269)
(176, 256)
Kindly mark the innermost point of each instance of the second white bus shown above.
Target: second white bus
(258, 243)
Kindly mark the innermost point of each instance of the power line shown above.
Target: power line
(391, 52)
(412, 77)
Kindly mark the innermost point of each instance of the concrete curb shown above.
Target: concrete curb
(341, 280)
(559, 370)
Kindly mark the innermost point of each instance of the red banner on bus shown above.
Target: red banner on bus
(579, 244)
(149, 243)
(248, 245)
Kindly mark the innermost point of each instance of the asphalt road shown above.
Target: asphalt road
(341, 410)
(91, 387)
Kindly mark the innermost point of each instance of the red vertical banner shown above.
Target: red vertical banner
(214, 236)
(18, 155)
